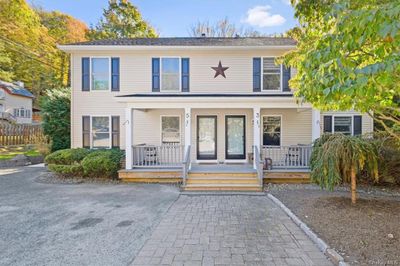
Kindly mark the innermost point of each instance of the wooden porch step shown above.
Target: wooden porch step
(222, 174)
(150, 176)
(222, 187)
(287, 177)
(221, 180)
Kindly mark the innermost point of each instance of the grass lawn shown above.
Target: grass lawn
(9, 153)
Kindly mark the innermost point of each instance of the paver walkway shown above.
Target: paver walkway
(227, 230)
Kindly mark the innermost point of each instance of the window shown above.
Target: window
(22, 112)
(170, 74)
(272, 74)
(170, 130)
(342, 124)
(101, 132)
(272, 130)
(100, 74)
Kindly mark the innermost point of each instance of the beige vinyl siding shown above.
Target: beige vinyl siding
(296, 125)
(367, 123)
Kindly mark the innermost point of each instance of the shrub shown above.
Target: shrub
(337, 158)
(73, 170)
(102, 163)
(67, 156)
(55, 111)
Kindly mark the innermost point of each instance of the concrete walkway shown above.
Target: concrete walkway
(228, 230)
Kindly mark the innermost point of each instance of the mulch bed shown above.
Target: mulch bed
(367, 233)
(51, 178)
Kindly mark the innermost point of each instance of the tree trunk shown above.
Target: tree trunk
(353, 186)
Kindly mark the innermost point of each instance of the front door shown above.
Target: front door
(235, 137)
(207, 137)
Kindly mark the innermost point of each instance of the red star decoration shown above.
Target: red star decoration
(219, 70)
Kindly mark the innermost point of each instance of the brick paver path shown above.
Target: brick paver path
(227, 230)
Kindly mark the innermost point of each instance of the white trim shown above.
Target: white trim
(91, 75)
(187, 120)
(72, 48)
(200, 161)
(128, 138)
(228, 161)
(180, 73)
(109, 131)
(315, 124)
(262, 129)
(262, 77)
(180, 128)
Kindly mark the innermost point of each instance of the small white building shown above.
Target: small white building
(15, 103)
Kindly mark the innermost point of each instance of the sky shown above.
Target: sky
(173, 18)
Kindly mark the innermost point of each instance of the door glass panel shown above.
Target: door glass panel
(235, 136)
(206, 137)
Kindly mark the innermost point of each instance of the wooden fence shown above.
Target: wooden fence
(11, 134)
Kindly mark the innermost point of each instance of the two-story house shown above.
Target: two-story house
(15, 103)
(194, 107)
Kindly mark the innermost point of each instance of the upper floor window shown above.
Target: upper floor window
(22, 112)
(170, 74)
(100, 74)
(272, 75)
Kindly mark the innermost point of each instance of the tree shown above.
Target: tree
(6, 72)
(222, 28)
(63, 29)
(121, 20)
(348, 57)
(55, 111)
(337, 158)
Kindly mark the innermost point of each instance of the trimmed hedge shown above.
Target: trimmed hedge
(85, 163)
(67, 156)
(102, 163)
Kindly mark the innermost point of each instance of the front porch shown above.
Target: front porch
(218, 141)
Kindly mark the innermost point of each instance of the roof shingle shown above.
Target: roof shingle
(193, 41)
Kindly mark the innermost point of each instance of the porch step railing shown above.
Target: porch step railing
(186, 165)
(157, 156)
(287, 157)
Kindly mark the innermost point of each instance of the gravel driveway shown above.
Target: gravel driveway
(85, 224)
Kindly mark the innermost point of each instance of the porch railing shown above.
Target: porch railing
(286, 157)
(157, 156)
(186, 165)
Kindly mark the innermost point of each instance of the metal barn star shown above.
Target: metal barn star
(219, 70)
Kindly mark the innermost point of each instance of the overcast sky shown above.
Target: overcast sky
(174, 17)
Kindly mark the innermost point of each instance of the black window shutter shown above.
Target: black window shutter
(185, 74)
(257, 74)
(115, 131)
(86, 131)
(115, 74)
(155, 66)
(85, 73)
(285, 78)
(327, 123)
(357, 125)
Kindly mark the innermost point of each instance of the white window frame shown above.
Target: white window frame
(109, 131)
(180, 73)
(343, 115)
(262, 76)
(262, 130)
(91, 74)
(180, 128)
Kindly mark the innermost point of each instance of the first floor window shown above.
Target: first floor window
(101, 132)
(342, 124)
(100, 74)
(272, 130)
(271, 78)
(170, 130)
(170, 74)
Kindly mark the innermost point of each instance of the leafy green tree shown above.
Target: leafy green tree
(6, 72)
(337, 158)
(121, 20)
(55, 111)
(348, 57)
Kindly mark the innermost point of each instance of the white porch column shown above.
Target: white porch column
(256, 132)
(128, 138)
(188, 127)
(316, 125)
